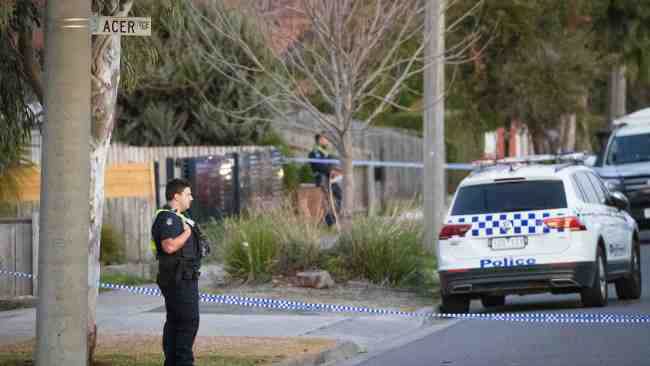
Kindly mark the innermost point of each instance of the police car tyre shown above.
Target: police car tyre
(490, 301)
(454, 304)
(596, 294)
(629, 287)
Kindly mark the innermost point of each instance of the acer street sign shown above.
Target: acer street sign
(123, 26)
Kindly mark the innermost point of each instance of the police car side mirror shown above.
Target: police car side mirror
(618, 200)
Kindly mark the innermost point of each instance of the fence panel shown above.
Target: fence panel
(15, 256)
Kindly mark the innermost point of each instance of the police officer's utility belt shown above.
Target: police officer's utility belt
(173, 269)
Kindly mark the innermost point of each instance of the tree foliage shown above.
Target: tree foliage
(535, 67)
(172, 97)
(17, 117)
(622, 31)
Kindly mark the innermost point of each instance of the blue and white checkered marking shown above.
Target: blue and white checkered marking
(563, 318)
(508, 224)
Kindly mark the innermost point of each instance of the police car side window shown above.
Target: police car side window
(587, 188)
(600, 192)
(579, 189)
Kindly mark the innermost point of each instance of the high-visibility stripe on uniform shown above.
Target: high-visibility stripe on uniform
(187, 220)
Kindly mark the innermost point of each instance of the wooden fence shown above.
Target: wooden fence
(130, 190)
(124, 154)
(383, 144)
(121, 180)
(18, 253)
(130, 201)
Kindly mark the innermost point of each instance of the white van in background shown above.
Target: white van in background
(625, 163)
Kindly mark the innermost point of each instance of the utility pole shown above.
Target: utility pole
(62, 313)
(434, 124)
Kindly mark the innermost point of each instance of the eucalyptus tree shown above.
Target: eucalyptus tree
(22, 84)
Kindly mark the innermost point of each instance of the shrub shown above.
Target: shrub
(250, 247)
(258, 244)
(112, 246)
(291, 177)
(8, 209)
(400, 208)
(385, 251)
(299, 238)
(214, 230)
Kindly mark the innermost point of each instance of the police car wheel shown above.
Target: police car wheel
(490, 301)
(629, 287)
(454, 304)
(596, 294)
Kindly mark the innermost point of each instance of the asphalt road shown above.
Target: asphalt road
(478, 342)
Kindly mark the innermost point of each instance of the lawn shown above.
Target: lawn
(146, 350)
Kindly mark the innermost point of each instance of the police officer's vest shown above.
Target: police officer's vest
(153, 245)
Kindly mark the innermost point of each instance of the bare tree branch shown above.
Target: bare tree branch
(352, 54)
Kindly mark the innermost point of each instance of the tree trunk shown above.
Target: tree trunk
(347, 206)
(539, 141)
(617, 93)
(105, 83)
(62, 309)
(586, 133)
(567, 132)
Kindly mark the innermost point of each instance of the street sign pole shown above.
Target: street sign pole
(63, 310)
(62, 313)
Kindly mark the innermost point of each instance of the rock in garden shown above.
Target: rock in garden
(315, 279)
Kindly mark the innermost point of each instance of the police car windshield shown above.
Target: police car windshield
(510, 197)
(629, 149)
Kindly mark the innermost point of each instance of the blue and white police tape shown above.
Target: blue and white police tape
(389, 164)
(290, 305)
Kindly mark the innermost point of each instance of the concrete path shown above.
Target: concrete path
(122, 312)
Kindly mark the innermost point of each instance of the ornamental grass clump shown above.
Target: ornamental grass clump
(263, 243)
(385, 250)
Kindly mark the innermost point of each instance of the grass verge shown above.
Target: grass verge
(122, 279)
(145, 350)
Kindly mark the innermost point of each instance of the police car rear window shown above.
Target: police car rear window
(510, 197)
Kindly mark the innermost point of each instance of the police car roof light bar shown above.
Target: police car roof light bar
(512, 163)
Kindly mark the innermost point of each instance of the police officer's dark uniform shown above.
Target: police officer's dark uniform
(178, 275)
(322, 179)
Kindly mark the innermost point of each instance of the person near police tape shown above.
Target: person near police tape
(179, 246)
(327, 176)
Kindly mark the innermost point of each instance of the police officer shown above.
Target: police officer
(179, 253)
(326, 175)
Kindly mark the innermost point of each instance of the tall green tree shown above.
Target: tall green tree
(533, 69)
(623, 31)
(19, 86)
(174, 97)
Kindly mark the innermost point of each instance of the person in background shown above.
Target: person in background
(327, 176)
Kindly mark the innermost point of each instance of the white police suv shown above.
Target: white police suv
(522, 227)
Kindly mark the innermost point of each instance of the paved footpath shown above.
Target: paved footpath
(122, 312)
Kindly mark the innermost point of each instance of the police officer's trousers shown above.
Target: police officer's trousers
(182, 305)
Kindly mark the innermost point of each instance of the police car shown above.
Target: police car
(525, 226)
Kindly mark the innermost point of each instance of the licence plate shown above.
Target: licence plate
(646, 213)
(517, 242)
